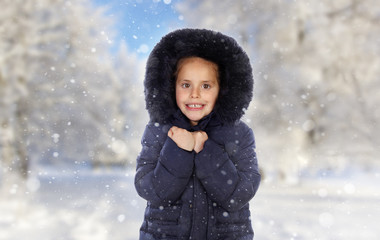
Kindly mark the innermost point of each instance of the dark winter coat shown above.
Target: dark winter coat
(205, 195)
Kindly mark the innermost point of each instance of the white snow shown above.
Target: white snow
(103, 204)
(325, 208)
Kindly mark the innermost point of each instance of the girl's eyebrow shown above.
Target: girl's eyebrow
(183, 80)
(210, 81)
(203, 81)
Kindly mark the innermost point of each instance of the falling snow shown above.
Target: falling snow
(315, 115)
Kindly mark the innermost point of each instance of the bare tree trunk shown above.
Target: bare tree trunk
(7, 153)
(20, 141)
(368, 129)
(13, 136)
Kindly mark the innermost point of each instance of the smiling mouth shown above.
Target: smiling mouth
(195, 106)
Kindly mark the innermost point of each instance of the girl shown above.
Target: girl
(197, 168)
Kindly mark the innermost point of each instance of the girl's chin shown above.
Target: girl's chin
(194, 118)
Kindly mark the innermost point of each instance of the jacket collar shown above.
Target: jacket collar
(181, 121)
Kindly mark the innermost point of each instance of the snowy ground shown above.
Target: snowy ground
(104, 205)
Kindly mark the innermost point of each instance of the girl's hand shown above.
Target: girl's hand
(183, 138)
(200, 138)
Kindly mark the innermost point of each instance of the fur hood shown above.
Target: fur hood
(235, 72)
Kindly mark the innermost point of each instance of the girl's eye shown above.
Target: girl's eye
(206, 86)
(185, 85)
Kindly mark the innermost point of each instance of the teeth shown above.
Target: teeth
(195, 105)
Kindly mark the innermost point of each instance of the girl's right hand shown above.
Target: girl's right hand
(183, 138)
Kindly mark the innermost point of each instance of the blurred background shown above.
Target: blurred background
(72, 112)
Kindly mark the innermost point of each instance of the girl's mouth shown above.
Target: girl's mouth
(194, 106)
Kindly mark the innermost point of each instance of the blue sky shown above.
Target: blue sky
(142, 23)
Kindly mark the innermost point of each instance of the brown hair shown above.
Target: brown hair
(185, 59)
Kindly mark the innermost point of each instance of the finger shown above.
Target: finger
(170, 133)
(204, 134)
(173, 130)
(201, 134)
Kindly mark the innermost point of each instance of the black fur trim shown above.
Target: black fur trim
(234, 68)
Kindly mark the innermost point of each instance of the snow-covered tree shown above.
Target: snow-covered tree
(131, 71)
(61, 98)
(316, 66)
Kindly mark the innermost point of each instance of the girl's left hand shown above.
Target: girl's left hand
(200, 137)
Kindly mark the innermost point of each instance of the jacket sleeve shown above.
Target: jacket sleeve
(231, 180)
(163, 169)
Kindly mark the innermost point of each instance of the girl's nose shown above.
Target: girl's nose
(195, 93)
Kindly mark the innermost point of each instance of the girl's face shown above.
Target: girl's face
(197, 88)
